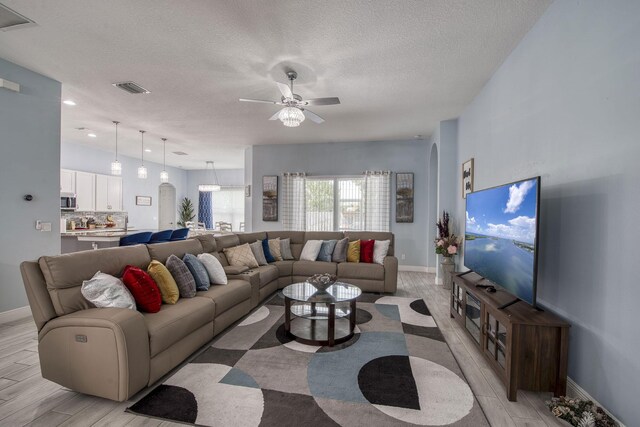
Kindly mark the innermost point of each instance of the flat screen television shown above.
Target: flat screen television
(501, 236)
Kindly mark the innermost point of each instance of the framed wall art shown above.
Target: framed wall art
(270, 198)
(143, 200)
(467, 178)
(404, 197)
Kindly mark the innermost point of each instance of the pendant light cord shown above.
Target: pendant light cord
(142, 147)
(164, 153)
(116, 123)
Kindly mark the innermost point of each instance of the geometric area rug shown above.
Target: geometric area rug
(396, 370)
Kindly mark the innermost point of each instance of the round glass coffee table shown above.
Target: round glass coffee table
(320, 317)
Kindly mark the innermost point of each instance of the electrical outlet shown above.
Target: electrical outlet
(46, 226)
(402, 257)
(38, 225)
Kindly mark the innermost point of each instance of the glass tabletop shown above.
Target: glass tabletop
(306, 292)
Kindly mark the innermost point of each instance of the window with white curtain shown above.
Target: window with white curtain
(228, 206)
(340, 203)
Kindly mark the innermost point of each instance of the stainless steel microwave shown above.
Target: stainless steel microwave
(68, 202)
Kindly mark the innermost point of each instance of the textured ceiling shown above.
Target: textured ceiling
(398, 66)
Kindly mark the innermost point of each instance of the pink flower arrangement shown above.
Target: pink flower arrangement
(447, 244)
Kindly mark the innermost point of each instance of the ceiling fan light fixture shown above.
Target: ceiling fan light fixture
(291, 117)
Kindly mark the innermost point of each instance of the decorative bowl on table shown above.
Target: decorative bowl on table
(322, 281)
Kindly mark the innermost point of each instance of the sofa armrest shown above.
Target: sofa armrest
(390, 274)
(99, 351)
(235, 269)
(253, 277)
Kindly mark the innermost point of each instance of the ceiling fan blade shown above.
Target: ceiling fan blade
(313, 116)
(286, 90)
(260, 101)
(275, 116)
(322, 101)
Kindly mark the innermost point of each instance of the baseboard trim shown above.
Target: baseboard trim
(416, 268)
(15, 314)
(574, 390)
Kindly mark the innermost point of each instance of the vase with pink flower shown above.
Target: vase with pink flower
(447, 244)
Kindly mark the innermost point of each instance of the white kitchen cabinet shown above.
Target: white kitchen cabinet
(108, 193)
(67, 181)
(85, 191)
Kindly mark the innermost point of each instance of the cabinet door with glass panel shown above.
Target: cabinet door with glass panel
(497, 337)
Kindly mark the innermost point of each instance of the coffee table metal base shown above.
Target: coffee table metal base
(318, 330)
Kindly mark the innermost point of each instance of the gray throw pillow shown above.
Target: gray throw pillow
(340, 251)
(183, 277)
(285, 249)
(258, 252)
(326, 250)
(197, 270)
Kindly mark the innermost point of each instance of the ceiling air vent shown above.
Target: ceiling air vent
(179, 153)
(12, 20)
(131, 87)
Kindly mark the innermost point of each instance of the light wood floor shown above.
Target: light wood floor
(28, 399)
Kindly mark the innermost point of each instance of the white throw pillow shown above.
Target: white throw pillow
(311, 250)
(214, 269)
(380, 249)
(104, 290)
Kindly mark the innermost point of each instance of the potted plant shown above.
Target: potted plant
(447, 244)
(186, 212)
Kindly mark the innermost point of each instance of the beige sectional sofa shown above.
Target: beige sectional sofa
(114, 353)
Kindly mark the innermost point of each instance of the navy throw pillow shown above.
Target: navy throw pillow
(198, 272)
(267, 252)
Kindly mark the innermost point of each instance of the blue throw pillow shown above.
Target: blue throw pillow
(326, 250)
(198, 271)
(267, 252)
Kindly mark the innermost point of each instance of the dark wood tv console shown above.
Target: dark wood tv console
(527, 348)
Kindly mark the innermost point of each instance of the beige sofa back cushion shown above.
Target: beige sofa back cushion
(297, 240)
(208, 242)
(368, 235)
(64, 273)
(251, 237)
(162, 251)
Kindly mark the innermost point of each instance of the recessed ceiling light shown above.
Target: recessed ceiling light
(69, 102)
(147, 150)
(91, 135)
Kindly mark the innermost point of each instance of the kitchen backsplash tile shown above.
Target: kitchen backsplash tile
(98, 218)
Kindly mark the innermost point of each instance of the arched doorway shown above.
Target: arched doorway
(432, 258)
(166, 206)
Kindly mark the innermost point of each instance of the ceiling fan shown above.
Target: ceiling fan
(294, 111)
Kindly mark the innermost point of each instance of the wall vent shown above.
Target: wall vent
(179, 153)
(131, 87)
(12, 20)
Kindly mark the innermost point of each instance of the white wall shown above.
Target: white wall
(566, 105)
(226, 177)
(30, 143)
(352, 158)
(83, 158)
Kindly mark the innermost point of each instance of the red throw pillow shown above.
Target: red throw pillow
(366, 250)
(144, 290)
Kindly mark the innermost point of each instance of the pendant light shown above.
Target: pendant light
(164, 175)
(212, 177)
(142, 170)
(116, 166)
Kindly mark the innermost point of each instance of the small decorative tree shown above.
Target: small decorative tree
(186, 212)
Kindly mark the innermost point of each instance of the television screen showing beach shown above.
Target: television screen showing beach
(500, 236)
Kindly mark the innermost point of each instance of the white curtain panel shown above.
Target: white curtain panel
(377, 200)
(293, 201)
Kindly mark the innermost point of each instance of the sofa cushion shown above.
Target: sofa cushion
(198, 271)
(266, 250)
(183, 277)
(366, 250)
(258, 252)
(241, 255)
(353, 251)
(226, 297)
(268, 273)
(64, 274)
(311, 250)
(215, 271)
(274, 248)
(227, 241)
(251, 237)
(340, 251)
(161, 251)
(285, 249)
(296, 238)
(380, 250)
(309, 268)
(372, 235)
(144, 290)
(165, 281)
(208, 242)
(174, 322)
(360, 270)
(285, 268)
(234, 269)
(104, 290)
(326, 250)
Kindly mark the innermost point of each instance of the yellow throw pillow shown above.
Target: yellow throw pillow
(241, 255)
(353, 251)
(166, 282)
(274, 248)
